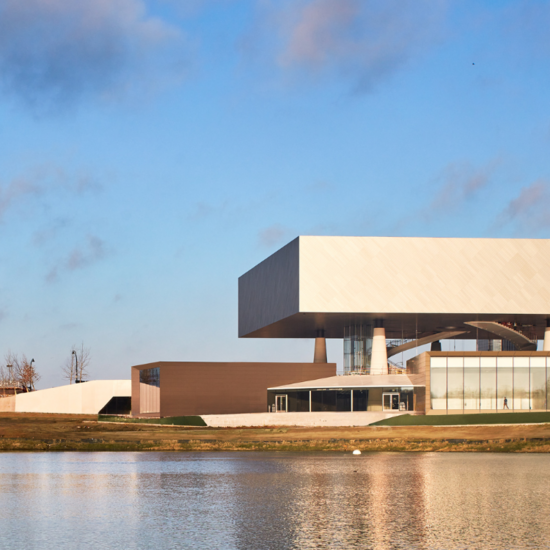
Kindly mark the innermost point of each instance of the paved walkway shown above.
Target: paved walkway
(296, 419)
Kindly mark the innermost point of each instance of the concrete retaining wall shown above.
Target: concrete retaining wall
(87, 398)
(329, 419)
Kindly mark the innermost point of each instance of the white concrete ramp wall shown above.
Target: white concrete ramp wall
(87, 398)
(332, 419)
(7, 404)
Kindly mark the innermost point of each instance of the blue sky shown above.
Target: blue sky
(153, 151)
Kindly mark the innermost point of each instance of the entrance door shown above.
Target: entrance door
(281, 403)
(390, 401)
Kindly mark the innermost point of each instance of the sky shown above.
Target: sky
(152, 151)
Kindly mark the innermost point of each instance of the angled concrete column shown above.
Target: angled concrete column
(546, 345)
(320, 354)
(379, 357)
(436, 346)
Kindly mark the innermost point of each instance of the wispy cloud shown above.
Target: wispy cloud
(273, 235)
(364, 41)
(15, 191)
(529, 211)
(319, 187)
(54, 52)
(70, 326)
(80, 257)
(40, 181)
(460, 182)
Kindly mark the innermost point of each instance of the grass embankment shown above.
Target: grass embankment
(169, 421)
(466, 419)
(47, 432)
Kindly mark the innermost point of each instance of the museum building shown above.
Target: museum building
(392, 301)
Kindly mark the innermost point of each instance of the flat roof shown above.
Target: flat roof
(356, 381)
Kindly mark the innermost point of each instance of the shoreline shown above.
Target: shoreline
(21, 432)
(344, 446)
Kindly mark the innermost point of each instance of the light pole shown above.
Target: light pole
(31, 379)
(76, 369)
(10, 366)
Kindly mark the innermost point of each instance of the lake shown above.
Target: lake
(274, 500)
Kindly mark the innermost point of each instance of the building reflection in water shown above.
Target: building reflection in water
(338, 502)
(260, 501)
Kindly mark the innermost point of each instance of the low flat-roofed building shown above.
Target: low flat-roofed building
(193, 388)
(359, 393)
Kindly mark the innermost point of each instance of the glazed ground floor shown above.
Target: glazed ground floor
(389, 399)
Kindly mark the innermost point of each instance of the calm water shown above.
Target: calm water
(274, 501)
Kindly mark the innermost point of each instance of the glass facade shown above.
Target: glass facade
(537, 384)
(438, 383)
(505, 382)
(149, 390)
(489, 383)
(343, 400)
(471, 383)
(357, 349)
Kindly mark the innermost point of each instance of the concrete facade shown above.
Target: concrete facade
(415, 286)
(87, 398)
(319, 419)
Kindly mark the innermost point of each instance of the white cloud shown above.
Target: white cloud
(273, 235)
(363, 41)
(54, 52)
(529, 211)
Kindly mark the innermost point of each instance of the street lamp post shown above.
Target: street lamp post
(10, 367)
(30, 365)
(76, 381)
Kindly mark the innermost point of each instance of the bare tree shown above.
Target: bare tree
(8, 373)
(76, 366)
(4, 376)
(69, 369)
(25, 373)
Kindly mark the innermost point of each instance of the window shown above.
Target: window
(298, 401)
(149, 390)
(538, 383)
(488, 383)
(505, 382)
(471, 384)
(455, 383)
(360, 400)
(438, 382)
(521, 384)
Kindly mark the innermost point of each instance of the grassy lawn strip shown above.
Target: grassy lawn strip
(463, 419)
(170, 420)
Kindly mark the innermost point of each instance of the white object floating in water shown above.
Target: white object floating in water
(357, 452)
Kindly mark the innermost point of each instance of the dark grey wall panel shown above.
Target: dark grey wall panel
(270, 291)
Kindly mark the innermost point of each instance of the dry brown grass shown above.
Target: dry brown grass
(48, 432)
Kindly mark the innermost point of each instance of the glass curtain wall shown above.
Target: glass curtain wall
(455, 383)
(521, 384)
(360, 400)
(538, 383)
(505, 382)
(438, 383)
(471, 384)
(357, 349)
(490, 383)
(149, 390)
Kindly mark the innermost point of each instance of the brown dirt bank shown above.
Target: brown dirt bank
(42, 432)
